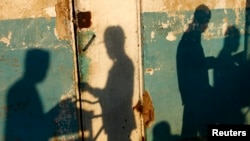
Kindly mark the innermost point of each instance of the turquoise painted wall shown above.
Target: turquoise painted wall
(31, 109)
(159, 62)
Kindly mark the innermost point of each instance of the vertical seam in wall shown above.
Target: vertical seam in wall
(140, 56)
(76, 67)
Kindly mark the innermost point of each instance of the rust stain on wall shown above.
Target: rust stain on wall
(146, 109)
(63, 19)
(84, 19)
(149, 71)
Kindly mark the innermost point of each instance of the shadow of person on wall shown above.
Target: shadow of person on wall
(24, 113)
(192, 73)
(162, 132)
(116, 98)
(229, 81)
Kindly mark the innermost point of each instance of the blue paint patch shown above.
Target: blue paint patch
(84, 40)
(32, 110)
(160, 76)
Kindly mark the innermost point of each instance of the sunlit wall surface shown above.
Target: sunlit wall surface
(37, 82)
(163, 24)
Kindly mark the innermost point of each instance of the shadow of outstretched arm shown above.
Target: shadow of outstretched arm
(86, 87)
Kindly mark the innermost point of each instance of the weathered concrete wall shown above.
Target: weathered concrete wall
(163, 23)
(109, 64)
(110, 70)
(37, 71)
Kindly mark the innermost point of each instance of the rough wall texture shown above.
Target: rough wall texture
(163, 23)
(26, 9)
(38, 83)
(109, 77)
(111, 83)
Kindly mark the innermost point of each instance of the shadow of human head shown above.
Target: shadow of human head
(162, 132)
(36, 65)
(202, 16)
(229, 80)
(118, 92)
(232, 39)
(114, 42)
(25, 109)
(192, 74)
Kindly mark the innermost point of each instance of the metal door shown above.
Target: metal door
(109, 62)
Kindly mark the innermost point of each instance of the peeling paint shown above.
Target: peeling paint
(63, 19)
(224, 26)
(179, 5)
(177, 22)
(169, 24)
(50, 11)
(152, 35)
(171, 36)
(7, 39)
(165, 25)
(25, 9)
(150, 71)
(56, 90)
(56, 34)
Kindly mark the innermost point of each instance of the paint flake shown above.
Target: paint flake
(171, 36)
(7, 39)
(152, 35)
(50, 11)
